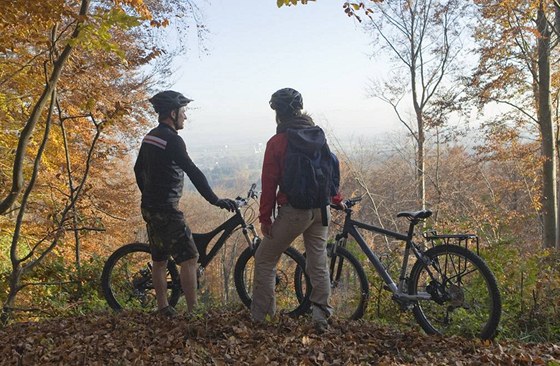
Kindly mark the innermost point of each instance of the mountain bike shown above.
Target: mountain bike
(126, 279)
(449, 289)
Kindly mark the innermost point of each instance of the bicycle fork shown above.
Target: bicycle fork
(336, 265)
(335, 272)
(255, 241)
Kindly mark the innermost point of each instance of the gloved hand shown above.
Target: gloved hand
(227, 204)
(341, 205)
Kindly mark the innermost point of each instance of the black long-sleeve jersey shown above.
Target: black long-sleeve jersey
(159, 170)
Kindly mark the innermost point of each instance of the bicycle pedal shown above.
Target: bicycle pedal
(385, 287)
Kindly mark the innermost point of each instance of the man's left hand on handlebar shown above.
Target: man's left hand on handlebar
(226, 204)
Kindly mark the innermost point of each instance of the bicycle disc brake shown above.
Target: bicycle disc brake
(438, 292)
(140, 283)
(457, 296)
(452, 294)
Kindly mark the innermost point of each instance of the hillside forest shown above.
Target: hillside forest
(479, 147)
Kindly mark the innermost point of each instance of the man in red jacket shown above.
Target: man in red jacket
(290, 222)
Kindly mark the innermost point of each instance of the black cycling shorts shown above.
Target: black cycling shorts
(169, 235)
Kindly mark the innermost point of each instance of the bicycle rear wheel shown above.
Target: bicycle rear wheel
(286, 299)
(126, 279)
(465, 299)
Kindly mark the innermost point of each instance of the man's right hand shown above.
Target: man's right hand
(227, 204)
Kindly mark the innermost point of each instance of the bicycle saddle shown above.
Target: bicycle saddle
(415, 215)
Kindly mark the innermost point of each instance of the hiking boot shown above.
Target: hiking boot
(319, 316)
(321, 326)
(168, 311)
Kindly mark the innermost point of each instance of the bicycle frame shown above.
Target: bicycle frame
(202, 240)
(127, 277)
(227, 228)
(399, 291)
(448, 288)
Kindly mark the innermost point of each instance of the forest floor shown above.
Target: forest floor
(227, 337)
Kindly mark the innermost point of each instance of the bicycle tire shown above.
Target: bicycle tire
(465, 296)
(286, 300)
(349, 285)
(126, 279)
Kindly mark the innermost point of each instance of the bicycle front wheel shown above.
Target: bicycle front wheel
(286, 271)
(126, 279)
(349, 285)
(464, 296)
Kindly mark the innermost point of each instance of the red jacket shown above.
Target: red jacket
(273, 165)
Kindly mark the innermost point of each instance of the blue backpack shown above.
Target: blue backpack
(311, 174)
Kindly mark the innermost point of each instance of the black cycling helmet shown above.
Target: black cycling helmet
(286, 99)
(168, 100)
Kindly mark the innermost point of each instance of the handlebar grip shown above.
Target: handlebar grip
(350, 202)
(252, 193)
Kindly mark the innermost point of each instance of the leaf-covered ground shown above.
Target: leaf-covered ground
(224, 337)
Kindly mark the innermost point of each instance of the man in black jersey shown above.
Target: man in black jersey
(159, 174)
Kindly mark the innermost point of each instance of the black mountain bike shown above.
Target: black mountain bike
(127, 275)
(449, 289)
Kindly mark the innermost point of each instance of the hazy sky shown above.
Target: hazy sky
(256, 48)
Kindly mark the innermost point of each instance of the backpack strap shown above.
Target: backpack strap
(324, 216)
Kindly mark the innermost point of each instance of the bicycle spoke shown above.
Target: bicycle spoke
(465, 299)
(127, 280)
(348, 284)
(286, 275)
(347, 295)
(134, 289)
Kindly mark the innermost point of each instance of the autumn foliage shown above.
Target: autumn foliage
(74, 79)
(72, 105)
(227, 337)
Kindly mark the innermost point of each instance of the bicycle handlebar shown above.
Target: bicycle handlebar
(348, 203)
(241, 202)
(352, 201)
(252, 193)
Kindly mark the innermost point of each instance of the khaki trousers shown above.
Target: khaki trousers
(289, 224)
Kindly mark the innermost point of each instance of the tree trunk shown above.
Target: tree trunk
(14, 281)
(420, 164)
(550, 205)
(74, 210)
(18, 269)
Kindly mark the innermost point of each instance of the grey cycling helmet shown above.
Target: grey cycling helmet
(286, 99)
(168, 100)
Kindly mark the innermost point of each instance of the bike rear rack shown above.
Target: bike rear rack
(458, 239)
